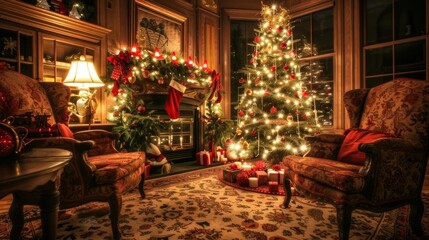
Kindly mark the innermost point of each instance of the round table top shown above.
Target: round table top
(31, 164)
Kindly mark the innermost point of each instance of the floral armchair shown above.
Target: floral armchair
(97, 172)
(382, 172)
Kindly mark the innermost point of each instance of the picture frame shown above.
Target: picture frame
(174, 24)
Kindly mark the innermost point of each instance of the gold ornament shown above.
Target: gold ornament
(132, 79)
(238, 131)
(245, 145)
(289, 118)
(249, 92)
(145, 74)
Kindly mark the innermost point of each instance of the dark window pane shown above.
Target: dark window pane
(416, 75)
(378, 21)
(242, 33)
(410, 56)
(372, 82)
(8, 44)
(323, 32)
(409, 18)
(378, 61)
(301, 31)
(324, 68)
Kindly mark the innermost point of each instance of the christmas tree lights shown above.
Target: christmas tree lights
(276, 110)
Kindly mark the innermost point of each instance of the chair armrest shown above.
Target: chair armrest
(79, 171)
(324, 145)
(104, 141)
(394, 169)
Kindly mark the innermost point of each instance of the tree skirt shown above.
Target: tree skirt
(259, 189)
(205, 208)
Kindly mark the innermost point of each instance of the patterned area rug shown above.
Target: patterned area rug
(198, 206)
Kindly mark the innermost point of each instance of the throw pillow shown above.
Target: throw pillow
(349, 152)
(64, 130)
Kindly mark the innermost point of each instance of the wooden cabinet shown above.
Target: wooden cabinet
(41, 44)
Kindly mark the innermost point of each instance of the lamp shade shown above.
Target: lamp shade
(82, 74)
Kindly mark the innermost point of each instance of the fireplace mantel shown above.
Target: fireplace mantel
(150, 91)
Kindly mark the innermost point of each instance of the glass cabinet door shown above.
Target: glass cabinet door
(17, 49)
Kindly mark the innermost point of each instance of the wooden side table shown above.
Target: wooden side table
(38, 171)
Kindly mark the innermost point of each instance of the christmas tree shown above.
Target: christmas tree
(276, 109)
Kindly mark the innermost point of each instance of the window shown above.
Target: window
(394, 40)
(242, 33)
(315, 46)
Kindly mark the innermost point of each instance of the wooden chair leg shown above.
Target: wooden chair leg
(115, 204)
(16, 215)
(141, 186)
(416, 215)
(344, 218)
(288, 193)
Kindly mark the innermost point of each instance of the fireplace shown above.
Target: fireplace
(184, 136)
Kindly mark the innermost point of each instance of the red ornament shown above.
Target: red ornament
(255, 53)
(273, 110)
(241, 80)
(252, 114)
(240, 113)
(304, 116)
(283, 45)
(145, 74)
(289, 31)
(9, 141)
(257, 80)
(273, 68)
(292, 76)
(257, 39)
(267, 93)
(279, 29)
(141, 109)
(228, 141)
(253, 132)
(286, 67)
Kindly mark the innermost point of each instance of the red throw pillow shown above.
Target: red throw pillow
(64, 130)
(349, 152)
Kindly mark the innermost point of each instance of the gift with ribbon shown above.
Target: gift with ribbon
(204, 158)
(230, 173)
(262, 177)
(273, 186)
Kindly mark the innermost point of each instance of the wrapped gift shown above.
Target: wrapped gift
(146, 171)
(204, 158)
(220, 154)
(262, 177)
(273, 186)
(230, 175)
(253, 182)
(276, 176)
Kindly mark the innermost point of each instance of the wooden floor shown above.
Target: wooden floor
(5, 202)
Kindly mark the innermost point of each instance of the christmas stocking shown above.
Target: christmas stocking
(175, 94)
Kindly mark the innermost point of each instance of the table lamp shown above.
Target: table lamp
(82, 75)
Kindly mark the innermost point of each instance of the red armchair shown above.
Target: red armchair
(97, 172)
(392, 168)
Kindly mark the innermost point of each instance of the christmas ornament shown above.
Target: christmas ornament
(257, 39)
(273, 68)
(267, 93)
(289, 31)
(10, 142)
(132, 79)
(141, 109)
(289, 118)
(279, 29)
(273, 110)
(257, 80)
(249, 92)
(252, 114)
(145, 74)
(241, 80)
(240, 113)
(245, 145)
(286, 67)
(238, 131)
(292, 76)
(283, 45)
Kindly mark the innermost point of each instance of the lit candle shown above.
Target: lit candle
(253, 182)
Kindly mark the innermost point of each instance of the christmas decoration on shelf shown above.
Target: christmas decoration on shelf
(276, 110)
(43, 4)
(74, 12)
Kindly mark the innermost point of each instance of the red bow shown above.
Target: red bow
(122, 68)
(216, 87)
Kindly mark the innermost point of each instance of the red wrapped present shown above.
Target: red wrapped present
(273, 186)
(276, 176)
(204, 158)
(146, 171)
(262, 177)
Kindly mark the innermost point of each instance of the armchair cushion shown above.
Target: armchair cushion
(20, 94)
(114, 166)
(64, 130)
(339, 175)
(349, 152)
